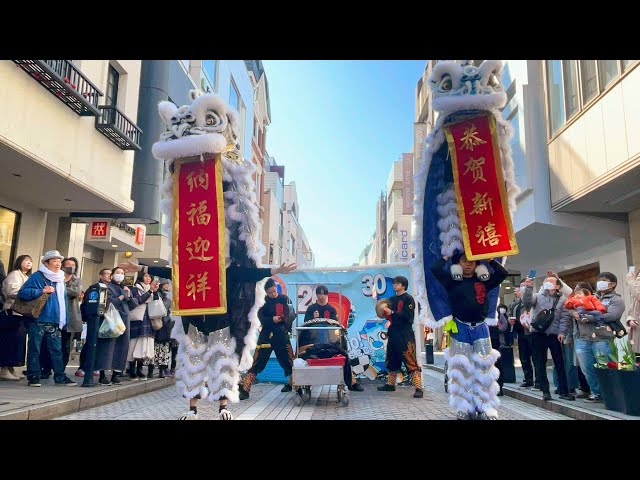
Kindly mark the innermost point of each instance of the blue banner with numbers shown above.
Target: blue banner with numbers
(351, 293)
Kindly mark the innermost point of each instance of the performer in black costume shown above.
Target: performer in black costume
(273, 336)
(401, 343)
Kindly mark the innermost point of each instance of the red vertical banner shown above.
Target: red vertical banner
(481, 194)
(199, 274)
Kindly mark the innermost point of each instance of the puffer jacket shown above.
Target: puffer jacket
(595, 329)
(543, 301)
(33, 288)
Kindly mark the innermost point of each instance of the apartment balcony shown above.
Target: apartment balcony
(66, 82)
(118, 128)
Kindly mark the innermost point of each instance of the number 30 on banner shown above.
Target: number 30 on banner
(371, 284)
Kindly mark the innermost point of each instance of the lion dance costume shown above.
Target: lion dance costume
(213, 348)
(461, 91)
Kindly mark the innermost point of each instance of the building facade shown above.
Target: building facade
(576, 153)
(400, 210)
(67, 141)
(260, 121)
(296, 247)
(273, 199)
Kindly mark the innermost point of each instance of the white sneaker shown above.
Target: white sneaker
(190, 415)
(225, 414)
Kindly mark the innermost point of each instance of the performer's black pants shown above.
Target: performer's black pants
(401, 348)
(284, 354)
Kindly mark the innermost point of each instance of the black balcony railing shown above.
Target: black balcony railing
(65, 81)
(117, 127)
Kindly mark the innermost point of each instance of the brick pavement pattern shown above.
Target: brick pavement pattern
(268, 403)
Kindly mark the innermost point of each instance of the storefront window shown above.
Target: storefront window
(9, 221)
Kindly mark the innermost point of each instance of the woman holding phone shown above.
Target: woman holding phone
(142, 345)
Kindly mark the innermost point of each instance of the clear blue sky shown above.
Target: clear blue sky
(337, 127)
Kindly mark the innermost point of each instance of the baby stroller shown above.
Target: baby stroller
(322, 339)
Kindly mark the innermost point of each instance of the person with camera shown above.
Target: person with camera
(548, 331)
(273, 315)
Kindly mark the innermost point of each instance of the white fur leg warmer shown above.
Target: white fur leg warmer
(222, 367)
(191, 360)
(461, 378)
(485, 376)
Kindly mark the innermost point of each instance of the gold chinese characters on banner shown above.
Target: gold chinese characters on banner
(485, 220)
(199, 277)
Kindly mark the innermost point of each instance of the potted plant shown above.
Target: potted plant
(619, 379)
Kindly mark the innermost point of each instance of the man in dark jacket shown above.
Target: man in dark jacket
(525, 349)
(273, 336)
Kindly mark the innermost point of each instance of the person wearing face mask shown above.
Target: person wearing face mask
(111, 353)
(105, 279)
(142, 343)
(552, 338)
(564, 289)
(592, 340)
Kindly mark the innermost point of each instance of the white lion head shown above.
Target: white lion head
(457, 86)
(208, 125)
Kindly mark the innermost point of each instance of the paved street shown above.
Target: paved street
(268, 403)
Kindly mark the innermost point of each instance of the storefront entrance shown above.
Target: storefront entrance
(9, 224)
